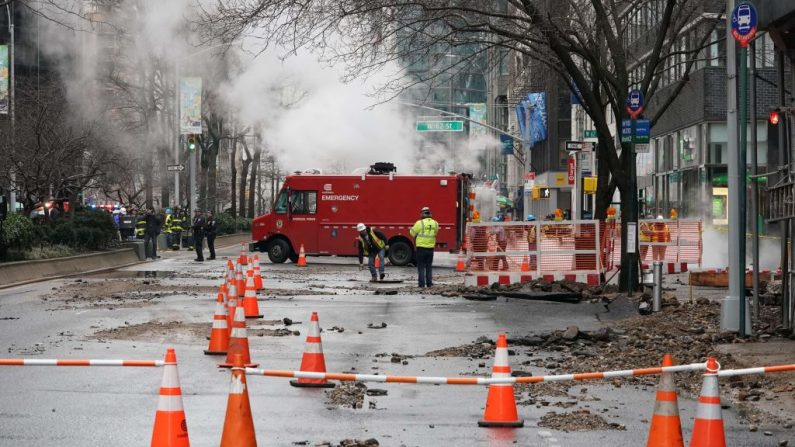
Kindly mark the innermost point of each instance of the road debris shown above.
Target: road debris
(376, 325)
(578, 420)
(347, 394)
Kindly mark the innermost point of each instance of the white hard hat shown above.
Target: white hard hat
(360, 227)
(660, 218)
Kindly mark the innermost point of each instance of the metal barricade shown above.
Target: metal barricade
(510, 252)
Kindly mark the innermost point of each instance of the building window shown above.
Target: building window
(714, 50)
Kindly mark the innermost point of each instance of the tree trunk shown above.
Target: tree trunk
(233, 181)
(242, 197)
(212, 177)
(252, 183)
(628, 278)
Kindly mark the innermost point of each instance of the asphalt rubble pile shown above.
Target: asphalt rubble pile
(347, 394)
(578, 420)
(534, 289)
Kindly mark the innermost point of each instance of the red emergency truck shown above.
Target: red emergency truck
(321, 212)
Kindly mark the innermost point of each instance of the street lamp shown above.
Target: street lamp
(192, 154)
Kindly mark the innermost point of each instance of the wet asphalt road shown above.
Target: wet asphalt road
(45, 406)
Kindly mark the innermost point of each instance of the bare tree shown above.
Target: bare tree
(586, 42)
(62, 156)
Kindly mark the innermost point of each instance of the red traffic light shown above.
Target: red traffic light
(773, 117)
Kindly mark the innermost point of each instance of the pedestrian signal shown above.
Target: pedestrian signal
(540, 193)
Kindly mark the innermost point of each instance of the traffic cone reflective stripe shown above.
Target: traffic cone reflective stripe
(238, 340)
(501, 404)
(257, 274)
(313, 359)
(238, 423)
(250, 304)
(708, 426)
(170, 428)
(240, 282)
(666, 427)
(301, 257)
(219, 334)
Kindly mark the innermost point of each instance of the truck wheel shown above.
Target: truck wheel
(278, 251)
(400, 253)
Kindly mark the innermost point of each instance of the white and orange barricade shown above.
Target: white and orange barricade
(677, 243)
(513, 252)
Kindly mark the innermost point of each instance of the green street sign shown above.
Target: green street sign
(440, 126)
(640, 139)
(589, 133)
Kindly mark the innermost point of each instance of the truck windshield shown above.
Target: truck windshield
(281, 203)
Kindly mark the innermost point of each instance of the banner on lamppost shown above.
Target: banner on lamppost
(3, 79)
(190, 106)
(478, 114)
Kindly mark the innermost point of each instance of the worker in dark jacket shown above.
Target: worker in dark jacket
(152, 225)
(198, 225)
(371, 243)
(210, 231)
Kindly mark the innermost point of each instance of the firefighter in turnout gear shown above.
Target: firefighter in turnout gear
(140, 224)
(371, 243)
(177, 228)
(167, 223)
(424, 232)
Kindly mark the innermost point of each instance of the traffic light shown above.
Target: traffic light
(191, 143)
(773, 117)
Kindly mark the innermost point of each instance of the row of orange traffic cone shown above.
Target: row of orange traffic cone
(170, 429)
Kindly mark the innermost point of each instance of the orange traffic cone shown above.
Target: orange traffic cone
(250, 305)
(501, 404)
(219, 335)
(230, 269)
(238, 423)
(313, 359)
(238, 340)
(170, 428)
(301, 257)
(708, 426)
(460, 265)
(242, 259)
(257, 274)
(525, 264)
(666, 428)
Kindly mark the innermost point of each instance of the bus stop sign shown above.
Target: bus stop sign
(744, 23)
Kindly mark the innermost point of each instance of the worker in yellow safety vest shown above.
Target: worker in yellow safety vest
(424, 232)
(371, 243)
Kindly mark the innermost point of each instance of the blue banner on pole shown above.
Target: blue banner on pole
(507, 144)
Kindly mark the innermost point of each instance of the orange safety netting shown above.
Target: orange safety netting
(670, 241)
(548, 247)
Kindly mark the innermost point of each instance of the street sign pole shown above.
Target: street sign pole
(634, 107)
(741, 179)
(742, 21)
